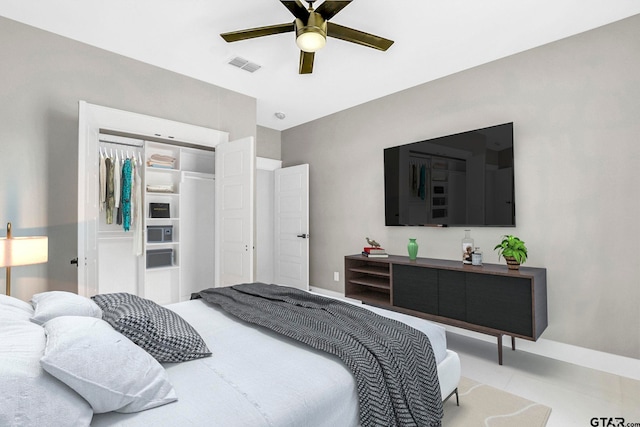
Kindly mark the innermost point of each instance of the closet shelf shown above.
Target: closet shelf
(171, 267)
(157, 244)
(111, 235)
(163, 193)
(162, 170)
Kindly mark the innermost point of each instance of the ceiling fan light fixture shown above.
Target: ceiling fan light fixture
(310, 41)
(313, 36)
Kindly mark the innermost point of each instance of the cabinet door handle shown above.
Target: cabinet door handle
(304, 236)
(74, 261)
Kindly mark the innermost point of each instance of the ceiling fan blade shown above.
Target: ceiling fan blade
(358, 37)
(329, 8)
(296, 8)
(306, 62)
(250, 33)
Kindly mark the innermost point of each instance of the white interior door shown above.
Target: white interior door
(88, 200)
(234, 199)
(292, 226)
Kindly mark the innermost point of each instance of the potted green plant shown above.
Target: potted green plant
(513, 250)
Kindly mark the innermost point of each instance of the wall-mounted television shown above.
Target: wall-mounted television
(459, 180)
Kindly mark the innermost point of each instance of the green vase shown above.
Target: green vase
(412, 247)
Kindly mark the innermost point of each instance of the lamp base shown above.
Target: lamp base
(8, 282)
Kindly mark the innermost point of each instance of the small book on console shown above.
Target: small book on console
(382, 255)
(372, 250)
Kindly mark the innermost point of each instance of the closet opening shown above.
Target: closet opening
(156, 216)
(191, 208)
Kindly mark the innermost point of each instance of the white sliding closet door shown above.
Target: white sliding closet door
(235, 182)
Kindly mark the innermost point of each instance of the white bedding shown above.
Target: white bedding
(258, 378)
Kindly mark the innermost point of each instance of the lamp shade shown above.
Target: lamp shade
(23, 251)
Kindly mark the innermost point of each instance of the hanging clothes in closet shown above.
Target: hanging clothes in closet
(423, 182)
(414, 180)
(126, 195)
(418, 176)
(117, 187)
(110, 196)
(120, 191)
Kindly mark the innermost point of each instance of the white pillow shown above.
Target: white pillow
(8, 312)
(49, 305)
(103, 366)
(29, 396)
(15, 302)
(13, 308)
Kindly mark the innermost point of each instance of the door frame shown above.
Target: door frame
(94, 118)
(264, 265)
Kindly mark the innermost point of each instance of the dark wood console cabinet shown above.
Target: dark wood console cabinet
(490, 299)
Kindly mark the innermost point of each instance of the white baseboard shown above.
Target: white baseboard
(327, 292)
(594, 359)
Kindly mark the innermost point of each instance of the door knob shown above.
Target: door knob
(304, 236)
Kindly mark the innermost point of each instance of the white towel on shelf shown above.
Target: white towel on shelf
(161, 160)
(160, 188)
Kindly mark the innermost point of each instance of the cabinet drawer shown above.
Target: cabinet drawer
(415, 288)
(500, 302)
(452, 294)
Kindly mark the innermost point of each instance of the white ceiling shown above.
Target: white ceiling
(433, 38)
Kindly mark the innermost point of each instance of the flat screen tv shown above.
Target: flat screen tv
(459, 180)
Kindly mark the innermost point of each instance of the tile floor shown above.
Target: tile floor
(576, 394)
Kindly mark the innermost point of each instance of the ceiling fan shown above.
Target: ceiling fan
(312, 28)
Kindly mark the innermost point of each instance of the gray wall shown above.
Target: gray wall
(268, 143)
(575, 105)
(42, 78)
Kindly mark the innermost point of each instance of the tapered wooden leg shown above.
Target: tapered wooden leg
(513, 343)
(500, 349)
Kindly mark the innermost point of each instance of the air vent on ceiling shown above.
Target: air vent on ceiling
(243, 64)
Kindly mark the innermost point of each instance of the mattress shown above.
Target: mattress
(256, 377)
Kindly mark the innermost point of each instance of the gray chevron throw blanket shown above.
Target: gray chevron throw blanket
(393, 363)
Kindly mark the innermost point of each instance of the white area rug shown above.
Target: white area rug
(486, 406)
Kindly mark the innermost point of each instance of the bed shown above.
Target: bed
(256, 377)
